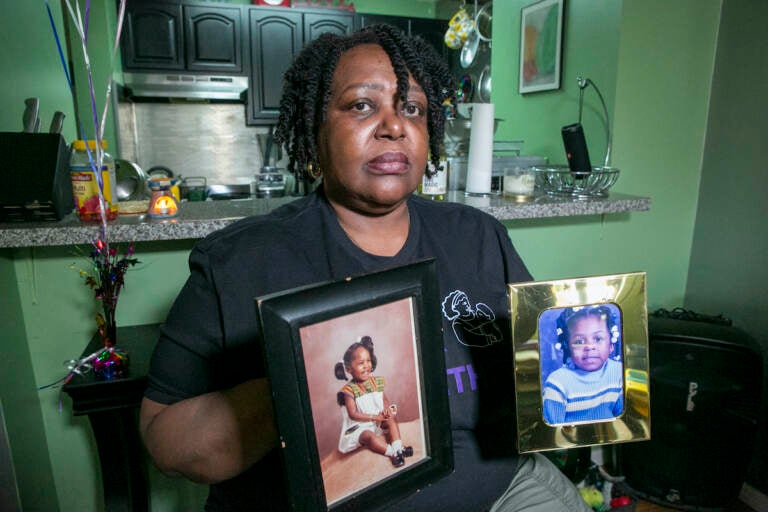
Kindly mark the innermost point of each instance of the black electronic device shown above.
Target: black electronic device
(705, 388)
(34, 168)
(576, 148)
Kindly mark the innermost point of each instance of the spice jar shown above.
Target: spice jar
(85, 187)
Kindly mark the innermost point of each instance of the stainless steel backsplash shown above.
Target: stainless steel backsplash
(192, 139)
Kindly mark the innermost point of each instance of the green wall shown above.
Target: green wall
(652, 60)
(58, 310)
(20, 399)
(587, 52)
(727, 272)
(47, 318)
(31, 66)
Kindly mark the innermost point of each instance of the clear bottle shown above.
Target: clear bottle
(85, 188)
(436, 186)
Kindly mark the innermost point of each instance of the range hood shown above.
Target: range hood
(168, 85)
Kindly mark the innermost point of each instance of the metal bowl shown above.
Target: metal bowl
(560, 181)
(131, 181)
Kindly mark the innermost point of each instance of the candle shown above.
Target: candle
(519, 183)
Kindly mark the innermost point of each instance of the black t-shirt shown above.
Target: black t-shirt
(208, 340)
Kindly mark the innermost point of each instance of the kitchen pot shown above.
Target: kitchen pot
(160, 171)
(484, 85)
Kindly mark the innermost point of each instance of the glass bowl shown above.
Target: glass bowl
(560, 181)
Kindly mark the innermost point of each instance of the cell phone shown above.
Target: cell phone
(351, 429)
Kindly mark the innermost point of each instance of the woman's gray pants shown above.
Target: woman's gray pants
(539, 486)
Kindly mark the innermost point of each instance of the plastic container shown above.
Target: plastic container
(85, 187)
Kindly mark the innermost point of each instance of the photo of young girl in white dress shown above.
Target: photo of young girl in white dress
(364, 387)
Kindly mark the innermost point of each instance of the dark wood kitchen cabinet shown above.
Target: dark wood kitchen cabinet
(276, 36)
(202, 38)
(183, 36)
(214, 40)
(152, 37)
(316, 24)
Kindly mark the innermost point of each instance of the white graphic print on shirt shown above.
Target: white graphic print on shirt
(473, 325)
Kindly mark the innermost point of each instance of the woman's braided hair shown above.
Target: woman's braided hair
(307, 89)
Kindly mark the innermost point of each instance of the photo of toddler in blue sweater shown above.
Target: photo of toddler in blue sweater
(582, 370)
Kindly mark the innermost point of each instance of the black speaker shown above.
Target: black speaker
(34, 168)
(705, 384)
(576, 148)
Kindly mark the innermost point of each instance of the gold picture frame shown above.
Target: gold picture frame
(612, 404)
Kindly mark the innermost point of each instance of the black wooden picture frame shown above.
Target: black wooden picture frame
(305, 330)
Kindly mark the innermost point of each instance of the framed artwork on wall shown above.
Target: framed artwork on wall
(541, 44)
(353, 358)
(581, 361)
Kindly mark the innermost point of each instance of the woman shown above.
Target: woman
(363, 111)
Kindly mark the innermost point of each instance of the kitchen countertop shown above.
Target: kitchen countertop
(198, 219)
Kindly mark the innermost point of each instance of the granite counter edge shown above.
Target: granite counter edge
(13, 236)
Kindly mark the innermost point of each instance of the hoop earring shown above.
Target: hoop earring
(315, 173)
